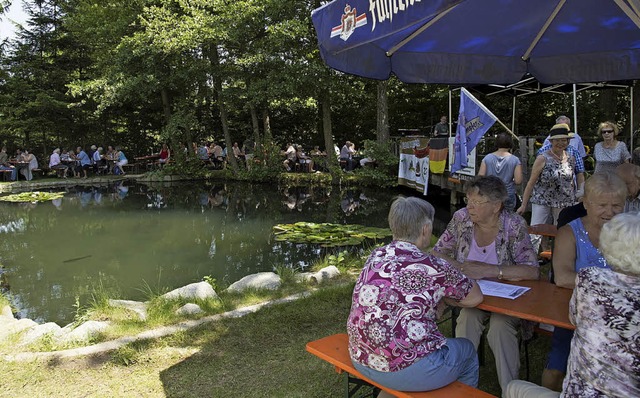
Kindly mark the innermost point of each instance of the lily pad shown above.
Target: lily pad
(326, 234)
(32, 197)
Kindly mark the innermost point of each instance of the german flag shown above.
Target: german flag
(438, 153)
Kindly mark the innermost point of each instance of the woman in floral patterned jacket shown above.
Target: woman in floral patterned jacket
(484, 240)
(393, 335)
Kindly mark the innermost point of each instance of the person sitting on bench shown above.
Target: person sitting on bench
(393, 335)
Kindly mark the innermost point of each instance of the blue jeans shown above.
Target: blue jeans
(14, 171)
(560, 347)
(457, 360)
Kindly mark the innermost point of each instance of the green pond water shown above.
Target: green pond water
(131, 239)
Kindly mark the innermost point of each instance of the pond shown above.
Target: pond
(131, 240)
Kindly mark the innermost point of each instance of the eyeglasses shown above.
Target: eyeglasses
(474, 202)
(607, 131)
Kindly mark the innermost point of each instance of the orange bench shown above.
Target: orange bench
(334, 349)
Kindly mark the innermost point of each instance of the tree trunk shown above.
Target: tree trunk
(382, 124)
(256, 127)
(327, 130)
(217, 82)
(166, 105)
(266, 125)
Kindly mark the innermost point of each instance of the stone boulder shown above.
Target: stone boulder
(261, 280)
(11, 326)
(138, 307)
(325, 274)
(83, 332)
(200, 290)
(189, 309)
(6, 312)
(37, 332)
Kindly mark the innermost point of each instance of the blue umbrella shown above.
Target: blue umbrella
(482, 41)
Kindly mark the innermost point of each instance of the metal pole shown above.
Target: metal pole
(450, 114)
(575, 110)
(513, 114)
(631, 117)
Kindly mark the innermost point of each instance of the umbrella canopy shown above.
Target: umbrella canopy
(482, 41)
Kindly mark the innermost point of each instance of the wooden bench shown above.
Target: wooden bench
(334, 349)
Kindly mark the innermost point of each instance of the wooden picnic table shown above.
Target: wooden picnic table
(548, 230)
(544, 303)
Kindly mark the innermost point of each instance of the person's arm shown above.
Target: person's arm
(564, 258)
(517, 174)
(483, 169)
(580, 180)
(626, 156)
(472, 299)
(536, 170)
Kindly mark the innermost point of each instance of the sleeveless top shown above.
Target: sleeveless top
(587, 255)
(503, 168)
(555, 187)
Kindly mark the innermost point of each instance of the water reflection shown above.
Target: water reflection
(128, 239)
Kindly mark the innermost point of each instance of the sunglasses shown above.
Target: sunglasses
(607, 131)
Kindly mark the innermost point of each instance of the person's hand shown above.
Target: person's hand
(520, 210)
(474, 269)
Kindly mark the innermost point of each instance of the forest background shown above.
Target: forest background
(137, 73)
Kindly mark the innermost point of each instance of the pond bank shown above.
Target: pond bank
(52, 183)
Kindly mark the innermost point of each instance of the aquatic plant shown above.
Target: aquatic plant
(326, 234)
(32, 197)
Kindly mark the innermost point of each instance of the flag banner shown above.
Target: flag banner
(474, 121)
(413, 170)
(438, 154)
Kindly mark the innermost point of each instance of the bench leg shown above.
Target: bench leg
(357, 385)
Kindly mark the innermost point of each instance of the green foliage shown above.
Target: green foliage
(212, 281)
(326, 234)
(32, 197)
(286, 273)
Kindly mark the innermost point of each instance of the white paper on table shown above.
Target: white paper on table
(497, 289)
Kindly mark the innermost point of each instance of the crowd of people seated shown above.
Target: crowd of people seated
(392, 327)
(77, 163)
(296, 158)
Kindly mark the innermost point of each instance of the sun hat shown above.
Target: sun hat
(560, 130)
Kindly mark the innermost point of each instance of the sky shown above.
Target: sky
(17, 14)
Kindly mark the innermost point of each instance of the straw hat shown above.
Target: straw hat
(560, 130)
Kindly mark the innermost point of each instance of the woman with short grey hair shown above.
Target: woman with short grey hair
(484, 240)
(393, 335)
(603, 361)
(408, 216)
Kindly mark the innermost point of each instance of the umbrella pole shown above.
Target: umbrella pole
(575, 110)
(513, 114)
(450, 120)
(631, 116)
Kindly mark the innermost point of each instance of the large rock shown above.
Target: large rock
(6, 312)
(189, 309)
(83, 332)
(138, 307)
(261, 280)
(37, 332)
(200, 290)
(325, 274)
(11, 326)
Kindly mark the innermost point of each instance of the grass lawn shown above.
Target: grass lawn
(259, 355)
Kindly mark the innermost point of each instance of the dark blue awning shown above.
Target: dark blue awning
(482, 41)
